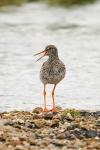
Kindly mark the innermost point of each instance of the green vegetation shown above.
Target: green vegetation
(68, 2)
(52, 2)
(11, 2)
(73, 112)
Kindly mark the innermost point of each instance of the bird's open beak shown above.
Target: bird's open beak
(44, 54)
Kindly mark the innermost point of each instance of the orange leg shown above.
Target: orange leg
(53, 98)
(44, 93)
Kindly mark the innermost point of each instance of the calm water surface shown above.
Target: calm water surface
(27, 30)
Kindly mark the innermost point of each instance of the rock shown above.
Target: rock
(57, 116)
(55, 123)
(59, 142)
(65, 125)
(37, 110)
(30, 125)
(46, 131)
(18, 121)
(32, 141)
(36, 116)
(61, 136)
(72, 126)
(83, 132)
(51, 147)
(46, 142)
(52, 135)
(89, 133)
(10, 147)
(26, 144)
(2, 139)
(15, 125)
(19, 147)
(15, 141)
(69, 117)
(87, 113)
(9, 123)
(23, 137)
(20, 130)
(58, 109)
(40, 123)
(70, 136)
(64, 148)
(83, 113)
(48, 115)
(98, 123)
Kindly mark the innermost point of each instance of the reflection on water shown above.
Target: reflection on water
(28, 29)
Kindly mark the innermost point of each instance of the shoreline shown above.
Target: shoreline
(66, 129)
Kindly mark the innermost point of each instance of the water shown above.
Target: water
(27, 30)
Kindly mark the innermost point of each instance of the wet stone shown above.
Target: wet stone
(61, 136)
(98, 123)
(81, 133)
(37, 110)
(48, 131)
(40, 123)
(9, 122)
(58, 109)
(15, 125)
(48, 115)
(68, 117)
(57, 116)
(87, 113)
(30, 125)
(59, 142)
(46, 142)
(19, 147)
(2, 139)
(70, 136)
(55, 123)
(36, 116)
(18, 121)
(32, 141)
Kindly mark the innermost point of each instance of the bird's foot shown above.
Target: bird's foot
(46, 110)
(54, 109)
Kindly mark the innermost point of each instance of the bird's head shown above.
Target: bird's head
(50, 51)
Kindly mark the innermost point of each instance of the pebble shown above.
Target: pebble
(20, 130)
(55, 123)
(48, 115)
(19, 147)
(98, 123)
(61, 136)
(30, 125)
(37, 110)
(40, 123)
(59, 142)
(69, 117)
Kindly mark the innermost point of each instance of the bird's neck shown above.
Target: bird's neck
(52, 58)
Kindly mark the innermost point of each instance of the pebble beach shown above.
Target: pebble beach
(67, 129)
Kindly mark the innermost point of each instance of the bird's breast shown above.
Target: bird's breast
(52, 73)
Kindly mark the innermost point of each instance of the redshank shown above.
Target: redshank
(52, 71)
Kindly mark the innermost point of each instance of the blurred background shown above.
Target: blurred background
(26, 27)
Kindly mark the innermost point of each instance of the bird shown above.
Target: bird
(52, 71)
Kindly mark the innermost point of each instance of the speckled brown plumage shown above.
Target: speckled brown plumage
(52, 71)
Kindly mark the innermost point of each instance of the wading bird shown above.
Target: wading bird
(52, 71)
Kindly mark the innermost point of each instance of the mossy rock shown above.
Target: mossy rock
(40, 123)
(73, 112)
